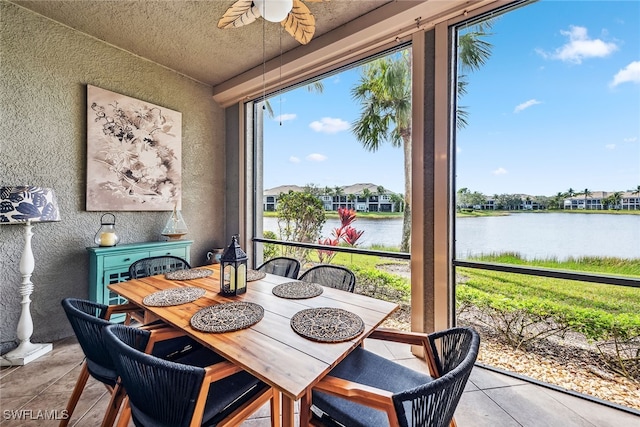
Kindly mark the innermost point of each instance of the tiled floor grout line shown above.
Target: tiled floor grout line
(500, 406)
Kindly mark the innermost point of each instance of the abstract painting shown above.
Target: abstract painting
(133, 154)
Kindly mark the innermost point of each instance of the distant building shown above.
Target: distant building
(599, 200)
(360, 197)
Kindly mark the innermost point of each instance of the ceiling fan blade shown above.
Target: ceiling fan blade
(300, 23)
(240, 13)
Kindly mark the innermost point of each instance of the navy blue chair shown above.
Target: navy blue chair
(366, 390)
(157, 265)
(165, 393)
(281, 266)
(333, 276)
(89, 319)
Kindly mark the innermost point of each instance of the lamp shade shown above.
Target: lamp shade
(28, 204)
(274, 10)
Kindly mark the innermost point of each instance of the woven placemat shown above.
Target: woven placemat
(327, 324)
(194, 273)
(173, 296)
(227, 317)
(297, 290)
(252, 275)
(255, 275)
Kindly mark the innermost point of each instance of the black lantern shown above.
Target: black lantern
(233, 270)
(106, 235)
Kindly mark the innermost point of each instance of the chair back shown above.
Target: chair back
(281, 266)
(151, 266)
(333, 276)
(434, 403)
(160, 392)
(88, 321)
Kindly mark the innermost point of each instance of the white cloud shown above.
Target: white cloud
(580, 47)
(458, 149)
(610, 146)
(294, 159)
(315, 157)
(285, 117)
(630, 73)
(526, 105)
(329, 125)
(632, 139)
(500, 171)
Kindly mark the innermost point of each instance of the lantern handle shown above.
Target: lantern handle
(103, 222)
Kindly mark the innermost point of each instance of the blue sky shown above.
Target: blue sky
(556, 106)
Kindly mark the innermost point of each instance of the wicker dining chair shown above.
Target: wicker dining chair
(89, 319)
(151, 266)
(367, 390)
(165, 393)
(281, 266)
(333, 276)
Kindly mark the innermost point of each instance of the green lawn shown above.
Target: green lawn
(599, 311)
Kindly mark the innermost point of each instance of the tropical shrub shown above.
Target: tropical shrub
(523, 309)
(300, 219)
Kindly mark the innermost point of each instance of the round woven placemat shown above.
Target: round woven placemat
(173, 296)
(194, 273)
(252, 275)
(327, 324)
(297, 290)
(227, 317)
(255, 275)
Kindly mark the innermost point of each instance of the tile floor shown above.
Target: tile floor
(36, 391)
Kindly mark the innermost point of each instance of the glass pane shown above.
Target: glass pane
(547, 175)
(547, 150)
(333, 170)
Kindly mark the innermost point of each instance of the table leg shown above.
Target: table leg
(287, 411)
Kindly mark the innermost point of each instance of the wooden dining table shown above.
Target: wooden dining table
(269, 349)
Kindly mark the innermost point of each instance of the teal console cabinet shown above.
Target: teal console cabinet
(109, 265)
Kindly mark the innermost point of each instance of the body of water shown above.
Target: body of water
(533, 235)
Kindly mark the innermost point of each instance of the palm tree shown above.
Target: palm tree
(351, 198)
(559, 199)
(384, 91)
(616, 198)
(398, 202)
(586, 193)
(473, 52)
(570, 193)
(338, 191)
(366, 193)
(636, 192)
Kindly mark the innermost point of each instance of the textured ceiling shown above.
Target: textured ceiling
(184, 36)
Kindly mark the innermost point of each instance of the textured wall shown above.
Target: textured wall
(44, 69)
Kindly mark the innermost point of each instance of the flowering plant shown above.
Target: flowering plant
(345, 232)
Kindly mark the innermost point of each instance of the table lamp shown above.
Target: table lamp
(26, 205)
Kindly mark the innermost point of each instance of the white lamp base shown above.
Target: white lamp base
(28, 353)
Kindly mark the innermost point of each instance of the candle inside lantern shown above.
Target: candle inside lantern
(107, 239)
